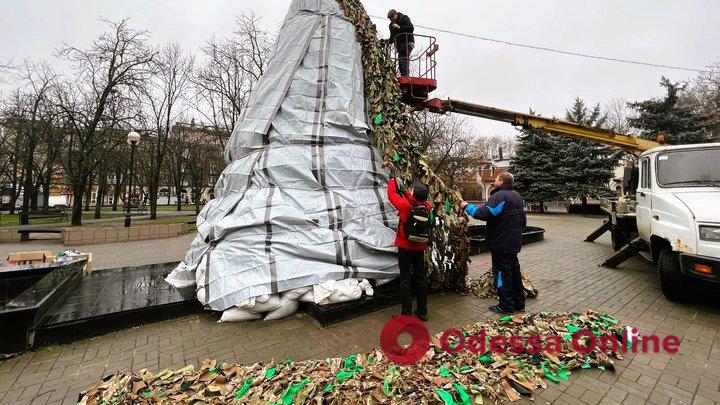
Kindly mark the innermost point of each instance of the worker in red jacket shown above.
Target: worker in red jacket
(411, 248)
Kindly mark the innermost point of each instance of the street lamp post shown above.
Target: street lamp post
(133, 139)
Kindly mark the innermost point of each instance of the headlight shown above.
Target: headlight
(710, 233)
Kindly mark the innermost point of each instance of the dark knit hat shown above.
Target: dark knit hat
(420, 191)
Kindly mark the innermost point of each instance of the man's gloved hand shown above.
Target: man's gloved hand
(395, 25)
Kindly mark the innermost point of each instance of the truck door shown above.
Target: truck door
(644, 199)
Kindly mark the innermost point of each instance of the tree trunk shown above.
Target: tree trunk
(178, 196)
(14, 193)
(197, 200)
(153, 201)
(27, 186)
(34, 199)
(47, 180)
(16, 188)
(542, 206)
(153, 188)
(100, 197)
(88, 193)
(77, 208)
(36, 192)
(46, 195)
(168, 196)
(117, 189)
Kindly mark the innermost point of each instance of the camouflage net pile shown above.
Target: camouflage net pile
(484, 286)
(439, 377)
(448, 253)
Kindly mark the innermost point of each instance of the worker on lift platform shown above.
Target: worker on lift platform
(401, 34)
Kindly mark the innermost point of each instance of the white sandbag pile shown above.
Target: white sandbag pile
(332, 292)
(278, 306)
(302, 201)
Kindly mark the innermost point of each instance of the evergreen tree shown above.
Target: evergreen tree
(586, 167)
(553, 167)
(534, 167)
(679, 122)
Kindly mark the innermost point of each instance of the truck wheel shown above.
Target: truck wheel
(672, 282)
(619, 239)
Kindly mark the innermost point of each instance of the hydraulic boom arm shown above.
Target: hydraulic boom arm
(552, 125)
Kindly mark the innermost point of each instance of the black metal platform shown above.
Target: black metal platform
(384, 296)
(22, 311)
(113, 299)
(65, 305)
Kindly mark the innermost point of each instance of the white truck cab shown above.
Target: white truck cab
(678, 214)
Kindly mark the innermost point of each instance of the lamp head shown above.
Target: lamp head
(133, 138)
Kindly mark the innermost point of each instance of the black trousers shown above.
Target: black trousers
(508, 280)
(413, 276)
(403, 54)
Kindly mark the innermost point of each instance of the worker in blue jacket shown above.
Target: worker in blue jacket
(504, 213)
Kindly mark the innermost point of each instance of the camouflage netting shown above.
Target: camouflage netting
(369, 378)
(448, 253)
(484, 286)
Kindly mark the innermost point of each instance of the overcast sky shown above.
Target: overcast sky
(684, 33)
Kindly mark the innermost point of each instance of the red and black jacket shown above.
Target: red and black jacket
(404, 204)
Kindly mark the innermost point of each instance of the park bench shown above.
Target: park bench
(25, 233)
(140, 209)
(59, 213)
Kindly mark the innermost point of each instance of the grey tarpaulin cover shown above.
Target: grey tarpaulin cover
(303, 197)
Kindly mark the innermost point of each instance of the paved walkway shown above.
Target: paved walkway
(562, 267)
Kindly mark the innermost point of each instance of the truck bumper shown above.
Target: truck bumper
(700, 267)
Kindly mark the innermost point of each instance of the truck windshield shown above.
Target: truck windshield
(689, 168)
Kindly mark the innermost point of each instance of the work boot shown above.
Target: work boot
(496, 309)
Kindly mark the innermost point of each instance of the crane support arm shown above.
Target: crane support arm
(551, 125)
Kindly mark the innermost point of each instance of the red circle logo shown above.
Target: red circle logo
(404, 324)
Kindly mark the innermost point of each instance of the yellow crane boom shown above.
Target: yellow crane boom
(551, 125)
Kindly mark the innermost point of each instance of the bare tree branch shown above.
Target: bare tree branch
(94, 100)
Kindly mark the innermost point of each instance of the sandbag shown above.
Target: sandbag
(307, 297)
(287, 308)
(344, 295)
(365, 285)
(333, 291)
(296, 293)
(347, 290)
(262, 298)
(382, 281)
(324, 290)
(245, 304)
(234, 314)
(261, 307)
